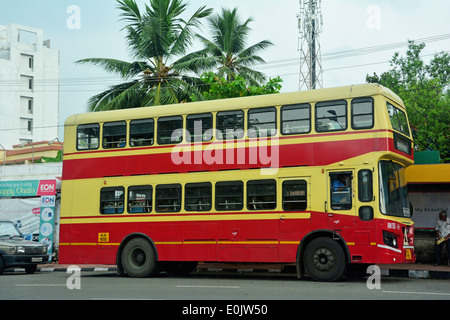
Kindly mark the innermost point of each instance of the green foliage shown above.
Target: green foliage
(216, 87)
(425, 90)
(158, 38)
(58, 158)
(227, 52)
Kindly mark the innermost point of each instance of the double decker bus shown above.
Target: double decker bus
(314, 178)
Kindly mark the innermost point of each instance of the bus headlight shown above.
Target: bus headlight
(390, 239)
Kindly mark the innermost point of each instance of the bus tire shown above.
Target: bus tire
(139, 258)
(324, 260)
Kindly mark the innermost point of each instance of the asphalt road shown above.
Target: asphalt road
(190, 290)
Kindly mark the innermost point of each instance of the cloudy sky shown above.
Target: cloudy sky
(95, 31)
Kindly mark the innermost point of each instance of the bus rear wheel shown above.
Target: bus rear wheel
(139, 259)
(324, 260)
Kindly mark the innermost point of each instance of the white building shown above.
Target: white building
(29, 86)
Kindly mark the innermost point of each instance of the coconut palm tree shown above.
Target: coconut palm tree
(227, 51)
(158, 39)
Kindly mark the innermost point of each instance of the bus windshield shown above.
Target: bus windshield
(393, 190)
(398, 119)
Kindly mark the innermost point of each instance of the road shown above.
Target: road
(210, 286)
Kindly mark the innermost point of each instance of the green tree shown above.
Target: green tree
(227, 52)
(219, 88)
(425, 90)
(158, 39)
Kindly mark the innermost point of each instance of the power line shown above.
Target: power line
(267, 65)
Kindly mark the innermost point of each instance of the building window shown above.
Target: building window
(26, 125)
(27, 83)
(26, 105)
(27, 62)
(30, 106)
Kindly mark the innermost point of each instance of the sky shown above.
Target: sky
(92, 28)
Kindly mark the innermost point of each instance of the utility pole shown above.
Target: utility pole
(310, 25)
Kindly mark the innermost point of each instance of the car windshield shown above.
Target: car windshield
(8, 229)
(393, 190)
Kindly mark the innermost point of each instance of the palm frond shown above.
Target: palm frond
(123, 68)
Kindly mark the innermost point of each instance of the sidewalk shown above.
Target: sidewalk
(417, 271)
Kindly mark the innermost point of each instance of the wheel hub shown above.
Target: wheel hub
(138, 256)
(323, 259)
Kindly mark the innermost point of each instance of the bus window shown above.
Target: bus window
(88, 136)
(140, 199)
(393, 190)
(199, 127)
(170, 130)
(365, 187)
(230, 125)
(398, 119)
(198, 197)
(294, 195)
(168, 198)
(142, 132)
(262, 122)
(296, 119)
(341, 190)
(111, 200)
(362, 113)
(114, 135)
(331, 116)
(262, 195)
(229, 196)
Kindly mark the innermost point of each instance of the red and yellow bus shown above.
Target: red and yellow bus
(314, 178)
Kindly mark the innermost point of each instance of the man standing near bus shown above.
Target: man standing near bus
(443, 235)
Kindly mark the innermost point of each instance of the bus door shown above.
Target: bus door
(296, 204)
(340, 203)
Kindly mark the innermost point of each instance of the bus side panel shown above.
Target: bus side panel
(78, 244)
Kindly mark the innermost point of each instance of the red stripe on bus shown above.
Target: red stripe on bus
(306, 154)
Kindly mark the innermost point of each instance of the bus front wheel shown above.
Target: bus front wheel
(139, 258)
(324, 260)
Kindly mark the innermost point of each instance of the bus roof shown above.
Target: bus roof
(328, 94)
